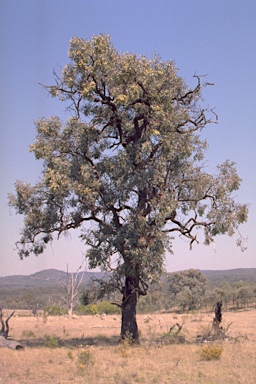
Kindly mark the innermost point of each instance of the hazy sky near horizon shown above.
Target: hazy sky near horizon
(212, 37)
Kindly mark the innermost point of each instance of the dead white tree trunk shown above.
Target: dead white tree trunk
(71, 286)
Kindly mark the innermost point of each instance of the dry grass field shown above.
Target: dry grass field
(86, 350)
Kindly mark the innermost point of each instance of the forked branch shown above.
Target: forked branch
(4, 340)
(5, 326)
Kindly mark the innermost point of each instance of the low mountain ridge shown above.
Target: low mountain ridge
(46, 277)
(48, 286)
(230, 275)
(54, 277)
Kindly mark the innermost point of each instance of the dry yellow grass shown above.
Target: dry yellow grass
(88, 351)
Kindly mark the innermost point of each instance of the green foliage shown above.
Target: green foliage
(85, 359)
(234, 293)
(107, 307)
(187, 288)
(154, 301)
(98, 308)
(129, 161)
(97, 291)
(54, 310)
(211, 352)
(51, 341)
(90, 309)
(134, 169)
(85, 298)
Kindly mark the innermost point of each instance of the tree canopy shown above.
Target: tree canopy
(187, 288)
(127, 167)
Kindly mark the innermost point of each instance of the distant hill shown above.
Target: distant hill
(231, 275)
(38, 289)
(41, 288)
(45, 278)
(53, 277)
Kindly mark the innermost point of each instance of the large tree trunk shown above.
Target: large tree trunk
(129, 327)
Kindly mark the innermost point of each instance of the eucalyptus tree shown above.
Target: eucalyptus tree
(187, 288)
(126, 168)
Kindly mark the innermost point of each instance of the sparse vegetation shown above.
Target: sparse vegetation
(125, 348)
(85, 359)
(51, 341)
(237, 292)
(70, 355)
(90, 309)
(90, 351)
(28, 334)
(98, 308)
(54, 310)
(211, 351)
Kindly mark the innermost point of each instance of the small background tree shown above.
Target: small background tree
(187, 289)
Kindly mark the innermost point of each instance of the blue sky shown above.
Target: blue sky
(214, 37)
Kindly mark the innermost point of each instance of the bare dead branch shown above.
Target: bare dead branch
(6, 342)
(5, 327)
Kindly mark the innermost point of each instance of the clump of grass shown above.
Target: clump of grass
(125, 347)
(102, 339)
(51, 341)
(28, 334)
(85, 359)
(211, 352)
(70, 355)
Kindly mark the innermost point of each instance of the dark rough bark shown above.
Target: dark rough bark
(5, 326)
(218, 314)
(129, 327)
(217, 332)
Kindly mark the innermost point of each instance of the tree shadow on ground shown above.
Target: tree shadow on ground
(70, 343)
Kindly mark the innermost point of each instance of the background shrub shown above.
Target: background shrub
(211, 352)
(54, 310)
(107, 307)
(99, 308)
(90, 309)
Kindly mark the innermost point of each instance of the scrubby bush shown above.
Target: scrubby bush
(98, 308)
(84, 359)
(106, 307)
(90, 309)
(51, 341)
(211, 352)
(54, 310)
